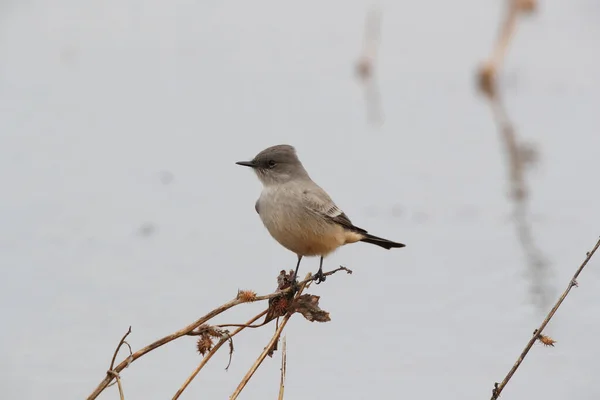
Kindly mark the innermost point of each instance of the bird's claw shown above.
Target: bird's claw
(319, 277)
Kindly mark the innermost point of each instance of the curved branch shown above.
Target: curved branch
(498, 387)
(185, 331)
(211, 353)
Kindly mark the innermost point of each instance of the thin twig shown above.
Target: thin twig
(121, 394)
(541, 290)
(506, 33)
(241, 325)
(283, 368)
(110, 371)
(118, 380)
(121, 342)
(498, 387)
(303, 285)
(162, 342)
(519, 155)
(488, 72)
(260, 358)
(211, 353)
(365, 66)
(185, 331)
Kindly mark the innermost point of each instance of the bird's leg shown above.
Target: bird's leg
(297, 268)
(295, 282)
(319, 277)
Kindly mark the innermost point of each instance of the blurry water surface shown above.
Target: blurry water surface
(121, 120)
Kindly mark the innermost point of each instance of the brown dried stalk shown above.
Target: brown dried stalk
(519, 155)
(121, 343)
(488, 85)
(537, 334)
(487, 73)
(119, 385)
(111, 371)
(161, 342)
(283, 368)
(110, 376)
(272, 343)
(260, 358)
(212, 352)
(365, 66)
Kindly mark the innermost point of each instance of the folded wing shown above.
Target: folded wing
(318, 201)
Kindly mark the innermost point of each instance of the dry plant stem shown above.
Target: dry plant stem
(509, 137)
(366, 67)
(303, 285)
(121, 394)
(118, 378)
(283, 367)
(260, 358)
(366, 61)
(487, 75)
(541, 290)
(182, 332)
(159, 343)
(110, 371)
(499, 387)
(211, 353)
(121, 342)
(519, 193)
(241, 325)
(515, 158)
(506, 129)
(506, 32)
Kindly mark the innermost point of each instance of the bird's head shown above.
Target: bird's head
(276, 165)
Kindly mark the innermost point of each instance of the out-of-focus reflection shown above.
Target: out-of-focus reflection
(520, 156)
(365, 67)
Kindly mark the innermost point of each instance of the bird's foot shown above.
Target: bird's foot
(319, 277)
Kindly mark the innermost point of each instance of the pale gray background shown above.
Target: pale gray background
(98, 97)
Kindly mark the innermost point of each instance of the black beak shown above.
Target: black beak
(250, 164)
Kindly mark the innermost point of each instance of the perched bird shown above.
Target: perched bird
(298, 213)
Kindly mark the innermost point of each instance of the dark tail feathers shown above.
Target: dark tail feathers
(386, 244)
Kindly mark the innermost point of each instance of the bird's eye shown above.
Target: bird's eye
(271, 163)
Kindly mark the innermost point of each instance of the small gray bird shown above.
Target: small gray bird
(298, 213)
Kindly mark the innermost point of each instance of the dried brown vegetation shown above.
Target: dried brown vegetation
(537, 334)
(286, 301)
(290, 299)
(520, 155)
(283, 369)
(365, 67)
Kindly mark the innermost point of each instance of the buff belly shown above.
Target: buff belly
(312, 239)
